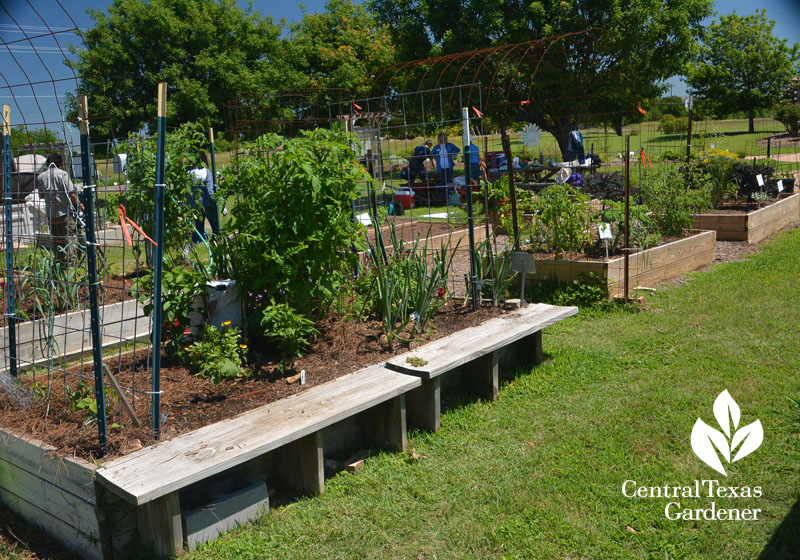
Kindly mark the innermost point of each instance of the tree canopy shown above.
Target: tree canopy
(206, 50)
(628, 50)
(741, 65)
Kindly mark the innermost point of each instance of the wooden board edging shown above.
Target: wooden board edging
(754, 226)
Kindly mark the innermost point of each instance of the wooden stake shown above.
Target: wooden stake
(117, 389)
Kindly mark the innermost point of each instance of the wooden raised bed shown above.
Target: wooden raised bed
(754, 226)
(71, 334)
(646, 268)
(59, 495)
(99, 511)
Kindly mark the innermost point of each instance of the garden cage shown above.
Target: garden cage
(75, 338)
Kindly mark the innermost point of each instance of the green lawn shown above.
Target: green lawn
(538, 474)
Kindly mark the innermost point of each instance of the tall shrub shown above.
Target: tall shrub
(291, 218)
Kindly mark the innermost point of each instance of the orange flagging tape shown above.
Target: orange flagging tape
(474, 108)
(645, 157)
(642, 111)
(123, 217)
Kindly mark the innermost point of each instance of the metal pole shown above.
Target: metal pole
(159, 256)
(769, 146)
(470, 218)
(91, 260)
(626, 251)
(213, 167)
(689, 132)
(511, 190)
(11, 314)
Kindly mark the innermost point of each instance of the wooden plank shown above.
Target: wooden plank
(85, 546)
(464, 346)
(199, 454)
(160, 525)
(300, 465)
(56, 501)
(76, 476)
(424, 405)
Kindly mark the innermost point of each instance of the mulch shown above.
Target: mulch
(189, 402)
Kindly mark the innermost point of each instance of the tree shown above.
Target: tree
(741, 65)
(206, 51)
(23, 136)
(629, 49)
(339, 48)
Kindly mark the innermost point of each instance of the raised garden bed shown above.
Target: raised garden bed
(754, 226)
(98, 509)
(71, 338)
(646, 268)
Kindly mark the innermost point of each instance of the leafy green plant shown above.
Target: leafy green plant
(81, 399)
(561, 220)
(745, 175)
(789, 116)
(288, 329)
(291, 218)
(643, 231)
(669, 124)
(179, 213)
(219, 354)
(673, 203)
(180, 288)
(714, 172)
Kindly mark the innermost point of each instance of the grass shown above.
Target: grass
(538, 474)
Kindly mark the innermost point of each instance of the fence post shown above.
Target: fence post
(91, 261)
(11, 315)
(214, 169)
(158, 257)
(470, 218)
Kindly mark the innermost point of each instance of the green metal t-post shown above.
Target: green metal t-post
(11, 315)
(91, 260)
(470, 217)
(214, 168)
(159, 256)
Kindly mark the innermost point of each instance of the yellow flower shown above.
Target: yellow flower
(243, 346)
(186, 349)
(226, 323)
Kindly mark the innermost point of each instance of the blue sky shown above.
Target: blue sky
(22, 66)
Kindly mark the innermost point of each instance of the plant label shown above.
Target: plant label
(523, 262)
(780, 185)
(760, 179)
(604, 231)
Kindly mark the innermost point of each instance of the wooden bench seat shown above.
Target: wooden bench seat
(477, 348)
(151, 477)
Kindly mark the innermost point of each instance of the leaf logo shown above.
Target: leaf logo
(707, 441)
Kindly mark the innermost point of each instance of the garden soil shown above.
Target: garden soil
(189, 402)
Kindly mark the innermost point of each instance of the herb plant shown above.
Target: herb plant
(219, 354)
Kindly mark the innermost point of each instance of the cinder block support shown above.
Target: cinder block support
(424, 405)
(385, 424)
(160, 525)
(299, 465)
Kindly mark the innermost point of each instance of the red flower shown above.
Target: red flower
(176, 323)
(440, 292)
